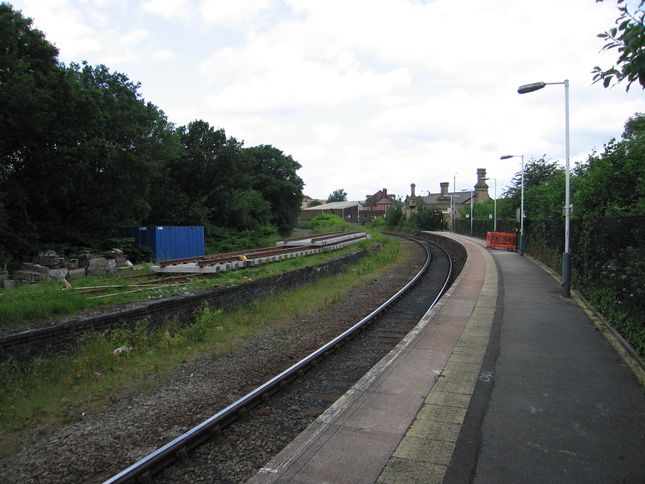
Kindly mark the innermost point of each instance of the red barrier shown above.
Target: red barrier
(500, 239)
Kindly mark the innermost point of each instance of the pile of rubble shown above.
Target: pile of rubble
(48, 266)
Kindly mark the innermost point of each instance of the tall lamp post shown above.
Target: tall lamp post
(494, 204)
(507, 157)
(471, 210)
(566, 257)
(453, 208)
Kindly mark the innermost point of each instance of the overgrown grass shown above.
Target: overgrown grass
(51, 391)
(28, 303)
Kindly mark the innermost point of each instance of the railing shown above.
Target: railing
(607, 263)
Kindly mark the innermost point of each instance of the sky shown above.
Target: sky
(365, 94)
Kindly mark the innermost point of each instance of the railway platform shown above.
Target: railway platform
(503, 381)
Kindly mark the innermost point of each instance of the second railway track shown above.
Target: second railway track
(226, 448)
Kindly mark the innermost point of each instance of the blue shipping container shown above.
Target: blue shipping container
(168, 242)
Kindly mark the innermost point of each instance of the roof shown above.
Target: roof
(334, 206)
(438, 199)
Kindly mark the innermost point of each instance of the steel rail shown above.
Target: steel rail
(143, 470)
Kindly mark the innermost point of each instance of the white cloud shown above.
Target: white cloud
(169, 8)
(364, 94)
(238, 11)
(328, 133)
(164, 54)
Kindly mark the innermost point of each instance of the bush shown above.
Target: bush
(221, 239)
(328, 223)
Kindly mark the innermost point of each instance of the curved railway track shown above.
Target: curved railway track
(313, 384)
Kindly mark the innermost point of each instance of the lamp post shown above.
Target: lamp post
(494, 204)
(471, 210)
(506, 157)
(453, 206)
(566, 257)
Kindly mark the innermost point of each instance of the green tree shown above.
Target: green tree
(628, 37)
(540, 177)
(201, 180)
(90, 173)
(426, 218)
(29, 72)
(274, 175)
(395, 214)
(612, 183)
(338, 195)
(111, 145)
(79, 145)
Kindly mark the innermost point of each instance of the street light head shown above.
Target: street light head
(506, 157)
(530, 87)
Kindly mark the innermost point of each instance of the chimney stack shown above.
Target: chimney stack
(481, 174)
(444, 188)
(481, 189)
(412, 190)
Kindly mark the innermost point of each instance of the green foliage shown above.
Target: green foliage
(425, 218)
(273, 175)
(545, 202)
(82, 154)
(543, 191)
(628, 38)
(29, 76)
(395, 214)
(608, 270)
(223, 239)
(338, 195)
(328, 223)
(377, 222)
(613, 182)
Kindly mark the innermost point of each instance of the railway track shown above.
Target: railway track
(229, 448)
(287, 249)
(59, 338)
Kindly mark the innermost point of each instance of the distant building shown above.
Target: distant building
(374, 206)
(444, 199)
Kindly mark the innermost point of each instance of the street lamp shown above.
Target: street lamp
(506, 157)
(471, 210)
(494, 205)
(566, 257)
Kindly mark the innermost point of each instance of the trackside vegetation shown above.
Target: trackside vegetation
(50, 391)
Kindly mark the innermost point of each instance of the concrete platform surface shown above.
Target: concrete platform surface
(503, 381)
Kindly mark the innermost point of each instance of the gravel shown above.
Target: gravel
(103, 441)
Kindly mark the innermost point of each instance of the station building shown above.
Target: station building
(450, 203)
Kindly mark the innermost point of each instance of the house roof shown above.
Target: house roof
(437, 198)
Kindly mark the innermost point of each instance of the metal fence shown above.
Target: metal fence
(607, 263)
